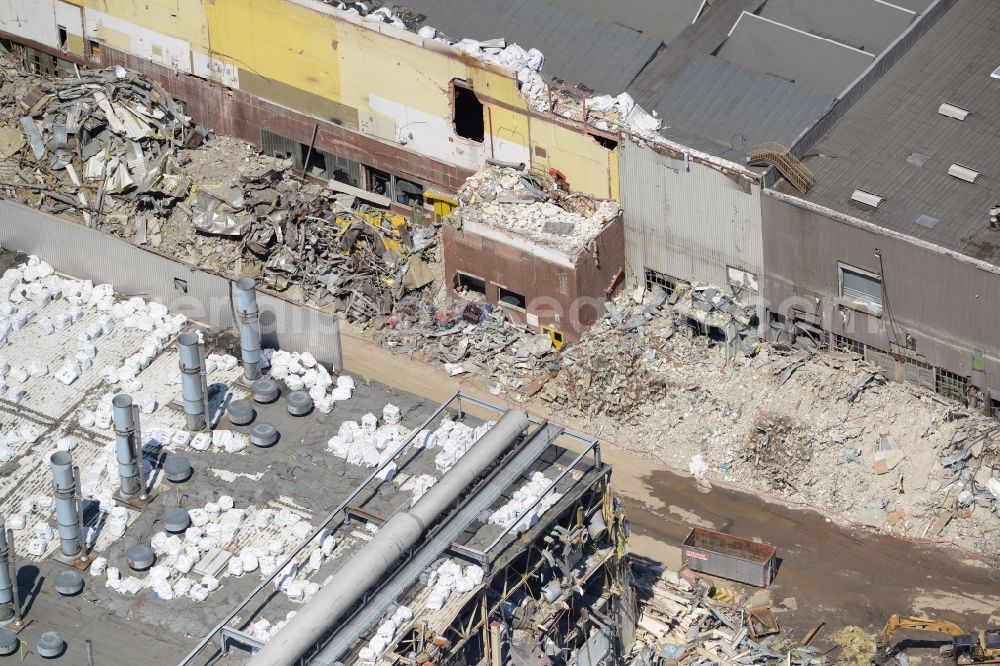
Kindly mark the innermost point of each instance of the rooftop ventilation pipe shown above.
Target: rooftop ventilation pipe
(398, 535)
(193, 385)
(127, 446)
(67, 509)
(246, 304)
(6, 587)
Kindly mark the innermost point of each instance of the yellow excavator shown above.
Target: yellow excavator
(981, 647)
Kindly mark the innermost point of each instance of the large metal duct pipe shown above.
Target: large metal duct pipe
(246, 305)
(67, 509)
(398, 535)
(6, 587)
(126, 445)
(192, 386)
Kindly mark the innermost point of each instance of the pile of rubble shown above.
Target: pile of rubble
(468, 337)
(112, 146)
(85, 140)
(537, 206)
(815, 426)
(681, 623)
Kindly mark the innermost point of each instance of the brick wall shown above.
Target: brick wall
(236, 113)
(568, 298)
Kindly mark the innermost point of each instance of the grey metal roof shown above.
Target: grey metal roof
(868, 148)
(578, 48)
(864, 24)
(735, 107)
(703, 36)
(774, 48)
(663, 19)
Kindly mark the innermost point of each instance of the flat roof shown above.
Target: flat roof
(726, 109)
(895, 144)
(300, 481)
(579, 48)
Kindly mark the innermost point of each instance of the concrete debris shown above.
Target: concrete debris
(682, 623)
(113, 147)
(469, 338)
(94, 137)
(537, 206)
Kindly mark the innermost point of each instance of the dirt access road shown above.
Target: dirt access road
(829, 573)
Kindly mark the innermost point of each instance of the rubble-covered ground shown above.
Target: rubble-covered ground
(812, 427)
(111, 149)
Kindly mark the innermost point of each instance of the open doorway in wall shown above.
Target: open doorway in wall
(468, 112)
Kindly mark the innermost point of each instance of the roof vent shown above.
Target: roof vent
(953, 111)
(867, 198)
(963, 173)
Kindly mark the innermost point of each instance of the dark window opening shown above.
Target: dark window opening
(342, 169)
(665, 282)
(950, 384)
(468, 118)
(313, 162)
(841, 343)
(63, 38)
(470, 283)
(94, 47)
(378, 182)
(408, 194)
(511, 298)
(610, 144)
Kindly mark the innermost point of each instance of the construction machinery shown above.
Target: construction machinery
(982, 647)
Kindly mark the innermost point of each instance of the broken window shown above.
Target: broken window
(950, 385)
(841, 343)
(861, 286)
(464, 281)
(63, 38)
(468, 115)
(377, 181)
(276, 145)
(313, 161)
(510, 298)
(407, 193)
(342, 169)
(94, 50)
(662, 280)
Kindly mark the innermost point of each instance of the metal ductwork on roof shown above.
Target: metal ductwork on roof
(192, 384)
(369, 565)
(67, 508)
(246, 305)
(127, 446)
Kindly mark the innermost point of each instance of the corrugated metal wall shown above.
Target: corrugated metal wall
(91, 255)
(689, 223)
(947, 305)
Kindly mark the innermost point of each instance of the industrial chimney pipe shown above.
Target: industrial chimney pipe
(192, 386)
(246, 305)
(126, 446)
(398, 535)
(67, 515)
(6, 586)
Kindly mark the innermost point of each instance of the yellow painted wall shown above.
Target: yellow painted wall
(376, 64)
(333, 59)
(507, 125)
(585, 163)
(181, 19)
(277, 40)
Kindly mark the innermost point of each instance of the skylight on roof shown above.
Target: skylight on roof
(952, 111)
(963, 173)
(867, 198)
(996, 73)
(927, 221)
